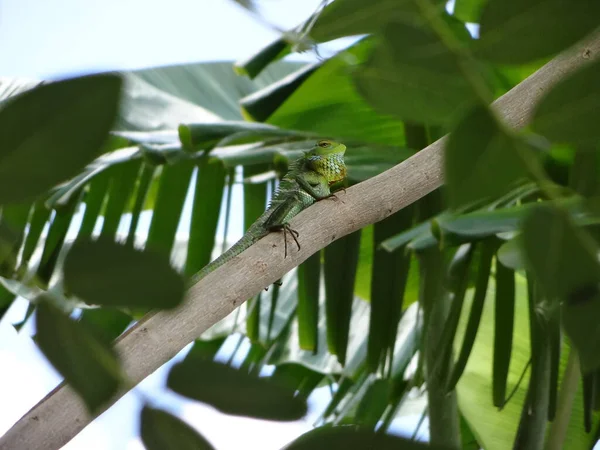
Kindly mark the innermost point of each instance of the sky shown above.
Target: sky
(45, 40)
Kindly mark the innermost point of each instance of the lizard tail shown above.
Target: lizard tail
(245, 242)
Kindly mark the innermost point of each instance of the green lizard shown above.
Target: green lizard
(308, 180)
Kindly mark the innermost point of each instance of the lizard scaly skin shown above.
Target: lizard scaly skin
(308, 180)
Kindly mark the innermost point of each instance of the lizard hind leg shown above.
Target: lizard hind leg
(287, 229)
(293, 233)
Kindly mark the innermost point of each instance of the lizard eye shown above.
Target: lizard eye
(324, 144)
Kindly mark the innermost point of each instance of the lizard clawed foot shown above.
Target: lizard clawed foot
(286, 229)
(276, 283)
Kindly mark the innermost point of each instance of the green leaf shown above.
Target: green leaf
(122, 183)
(328, 101)
(160, 430)
(262, 104)
(487, 250)
(206, 349)
(341, 258)
(201, 92)
(568, 111)
(482, 164)
(345, 437)
(309, 280)
(252, 66)
(458, 282)
(6, 300)
(520, 31)
(94, 200)
(411, 74)
(143, 187)
(88, 364)
(298, 378)
(107, 323)
(373, 404)
(504, 321)
(14, 218)
(174, 184)
(534, 415)
(469, 10)
(110, 274)
(553, 245)
(55, 240)
(38, 220)
(205, 136)
(234, 392)
(355, 17)
(388, 283)
(60, 126)
(495, 429)
(208, 195)
(510, 254)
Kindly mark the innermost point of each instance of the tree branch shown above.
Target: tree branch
(158, 337)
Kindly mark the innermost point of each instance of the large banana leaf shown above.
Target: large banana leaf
(180, 148)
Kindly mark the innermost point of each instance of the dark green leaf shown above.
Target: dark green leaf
(6, 300)
(309, 280)
(88, 364)
(160, 430)
(234, 392)
(534, 415)
(174, 183)
(388, 282)
(297, 377)
(94, 200)
(341, 258)
(12, 231)
(373, 404)
(110, 274)
(262, 104)
(61, 126)
(504, 319)
(206, 349)
(354, 17)
(519, 31)
(256, 63)
(458, 282)
(400, 240)
(28, 313)
(346, 437)
(412, 74)
(205, 136)
(328, 101)
(483, 163)
(143, 186)
(106, 323)
(122, 183)
(364, 162)
(568, 111)
(553, 245)
(510, 254)
(469, 10)
(214, 86)
(487, 250)
(208, 195)
(253, 318)
(53, 244)
(469, 441)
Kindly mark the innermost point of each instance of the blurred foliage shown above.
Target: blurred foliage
(486, 299)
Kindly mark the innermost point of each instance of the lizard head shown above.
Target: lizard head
(327, 158)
